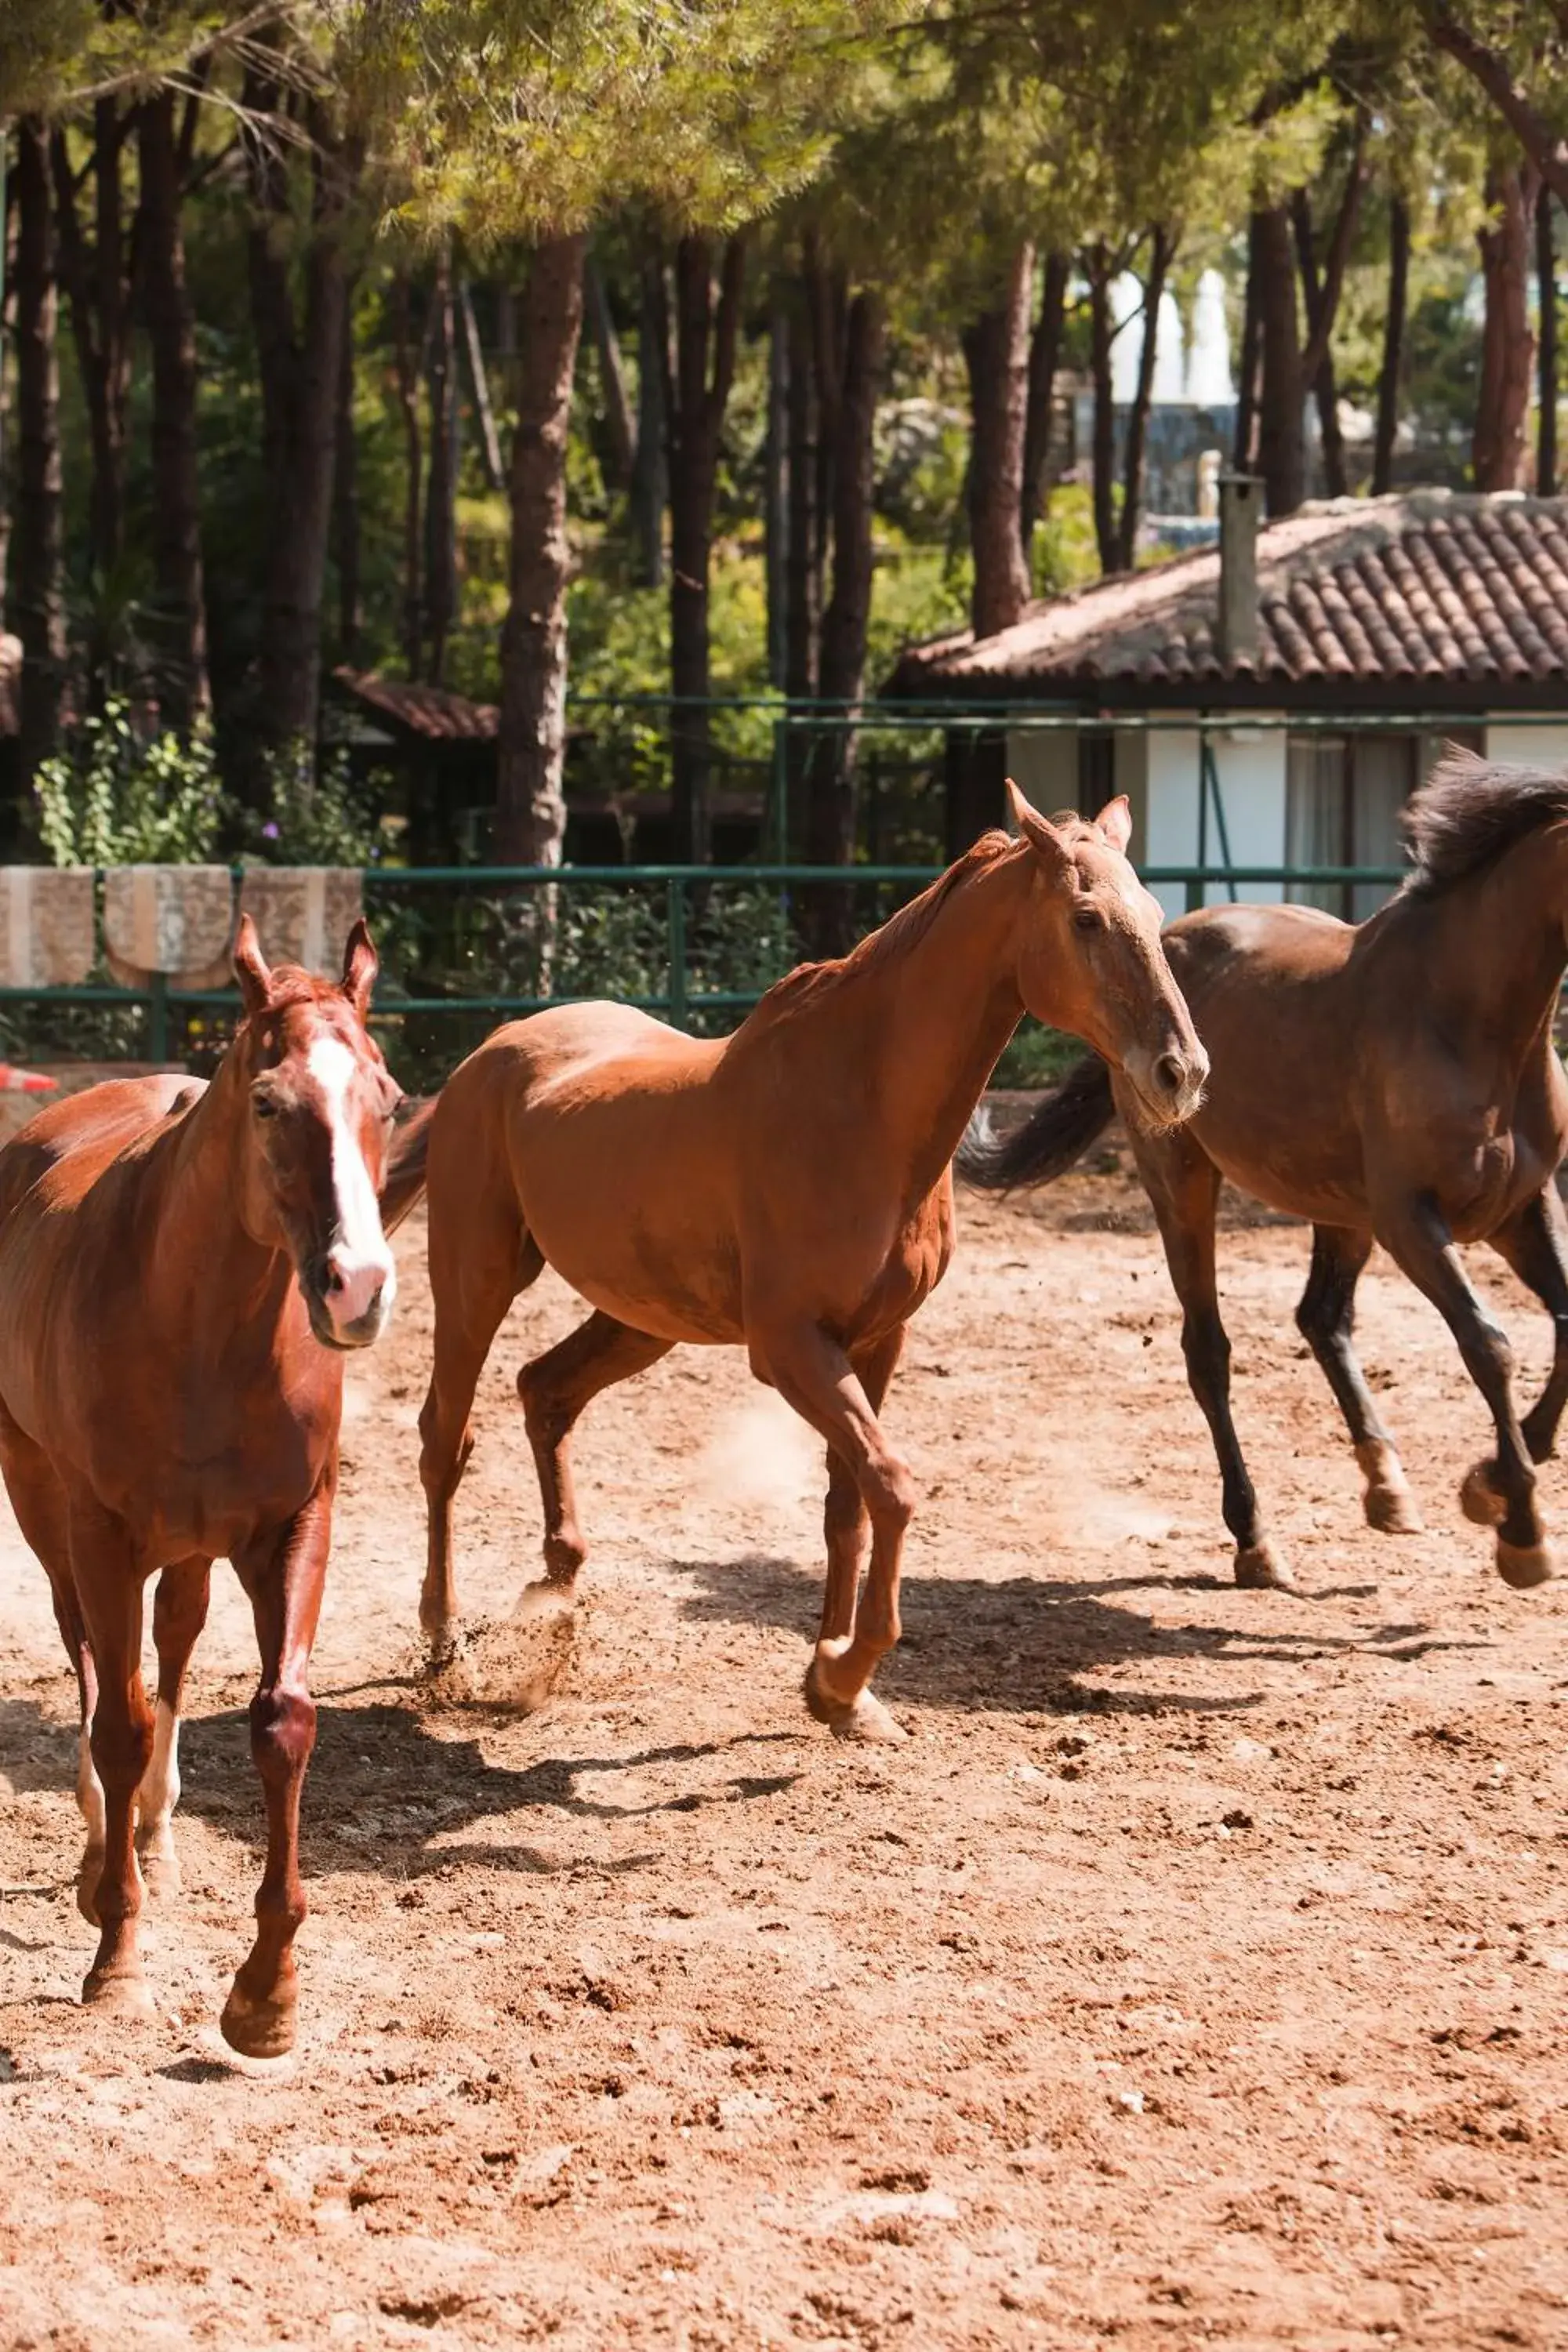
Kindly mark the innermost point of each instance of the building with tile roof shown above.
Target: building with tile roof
(1382, 628)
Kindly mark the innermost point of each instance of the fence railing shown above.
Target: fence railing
(680, 962)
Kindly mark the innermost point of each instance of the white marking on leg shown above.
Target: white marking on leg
(90, 1794)
(159, 1790)
(364, 1277)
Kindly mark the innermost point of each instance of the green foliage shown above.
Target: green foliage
(317, 814)
(115, 798)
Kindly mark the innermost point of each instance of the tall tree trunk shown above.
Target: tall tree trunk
(1044, 357)
(478, 379)
(1243, 454)
(1281, 449)
(299, 352)
(1104, 450)
(1508, 347)
(1161, 254)
(705, 337)
(650, 466)
(1546, 374)
(441, 487)
(179, 594)
(802, 614)
(345, 502)
(1325, 390)
(407, 364)
(776, 482)
(531, 807)
(996, 350)
(37, 605)
(97, 283)
(1392, 347)
(620, 430)
(830, 818)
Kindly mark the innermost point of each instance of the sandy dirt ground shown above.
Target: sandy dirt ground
(1194, 1974)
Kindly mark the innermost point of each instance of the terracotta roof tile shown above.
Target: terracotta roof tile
(1433, 586)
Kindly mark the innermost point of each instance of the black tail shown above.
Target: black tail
(1070, 1119)
(404, 1178)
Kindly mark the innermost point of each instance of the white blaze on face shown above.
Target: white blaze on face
(359, 1263)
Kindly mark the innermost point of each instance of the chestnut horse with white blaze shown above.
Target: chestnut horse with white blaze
(1396, 1082)
(786, 1189)
(183, 1268)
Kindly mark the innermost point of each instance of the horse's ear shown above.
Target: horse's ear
(1037, 831)
(360, 965)
(1115, 822)
(251, 967)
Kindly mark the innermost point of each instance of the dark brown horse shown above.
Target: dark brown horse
(183, 1267)
(786, 1189)
(1396, 1083)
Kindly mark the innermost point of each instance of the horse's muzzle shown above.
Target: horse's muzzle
(1169, 1084)
(348, 1298)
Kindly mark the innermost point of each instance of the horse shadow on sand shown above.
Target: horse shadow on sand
(1032, 1644)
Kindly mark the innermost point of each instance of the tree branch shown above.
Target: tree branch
(1333, 277)
(1491, 70)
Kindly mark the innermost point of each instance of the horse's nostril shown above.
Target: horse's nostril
(333, 1283)
(1170, 1071)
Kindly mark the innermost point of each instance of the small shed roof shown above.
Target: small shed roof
(434, 712)
(1432, 595)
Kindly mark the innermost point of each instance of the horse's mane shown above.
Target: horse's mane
(1467, 813)
(894, 940)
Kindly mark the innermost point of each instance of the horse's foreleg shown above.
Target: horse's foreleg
(1184, 1186)
(283, 1577)
(1326, 1318)
(1499, 1493)
(812, 1373)
(179, 1612)
(1535, 1245)
(845, 1525)
(555, 1391)
(108, 1587)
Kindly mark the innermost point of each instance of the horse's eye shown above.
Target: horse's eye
(1088, 919)
(264, 1106)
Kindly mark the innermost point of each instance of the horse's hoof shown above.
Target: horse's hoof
(1479, 1500)
(1525, 1565)
(1392, 1511)
(545, 1601)
(861, 1717)
(118, 1992)
(1259, 1568)
(86, 1878)
(869, 1721)
(259, 2029)
(161, 1875)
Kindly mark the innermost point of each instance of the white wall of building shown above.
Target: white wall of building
(1528, 746)
(1250, 764)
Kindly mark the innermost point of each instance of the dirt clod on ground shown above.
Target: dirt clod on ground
(1195, 1974)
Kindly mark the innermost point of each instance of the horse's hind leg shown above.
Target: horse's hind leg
(480, 1260)
(554, 1390)
(38, 1501)
(1535, 1245)
(179, 1612)
(1501, 1492)
(1326, 1318)
(1184, 1186)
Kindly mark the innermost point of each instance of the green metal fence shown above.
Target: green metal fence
(683, 896)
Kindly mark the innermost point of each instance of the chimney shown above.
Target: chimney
(1235, 631)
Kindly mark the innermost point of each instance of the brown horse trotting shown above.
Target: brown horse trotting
(1395, 1083)
(786, 1189)
(182, 1269)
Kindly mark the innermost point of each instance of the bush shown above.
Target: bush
(116, 798)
